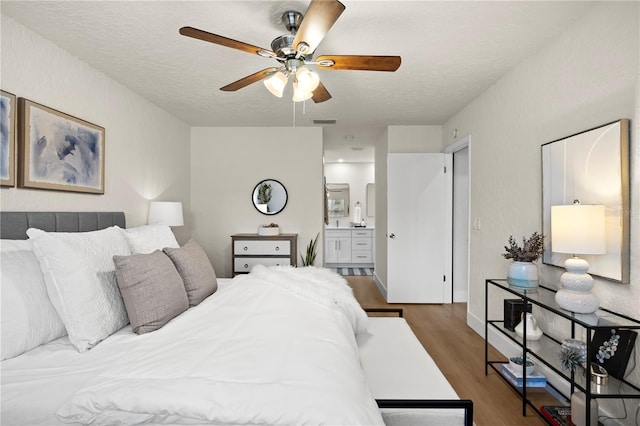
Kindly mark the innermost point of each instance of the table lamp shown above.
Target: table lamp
(577, 229)
(165, 213)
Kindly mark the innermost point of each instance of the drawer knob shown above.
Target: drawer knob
(246, 248)
(246, 265)
(277, 248)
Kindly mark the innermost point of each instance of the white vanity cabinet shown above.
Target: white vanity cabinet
(349, 247)
(338, 246)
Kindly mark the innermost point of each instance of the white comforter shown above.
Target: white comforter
(276, 347)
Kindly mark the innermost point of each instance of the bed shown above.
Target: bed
(277, 346)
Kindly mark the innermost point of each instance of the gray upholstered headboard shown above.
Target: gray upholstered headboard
(14, 225)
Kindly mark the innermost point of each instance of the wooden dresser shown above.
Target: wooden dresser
(248, 250)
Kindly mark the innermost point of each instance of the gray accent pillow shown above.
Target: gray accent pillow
(151, 288)
(195, 269)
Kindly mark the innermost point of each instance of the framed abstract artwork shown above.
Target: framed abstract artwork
(59, 151)
(593, 168)
(7, 138)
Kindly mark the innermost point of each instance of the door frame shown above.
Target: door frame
(458, 145)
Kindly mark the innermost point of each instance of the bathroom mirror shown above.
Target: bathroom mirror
(592, 167)
(338, 199)
(269, 197)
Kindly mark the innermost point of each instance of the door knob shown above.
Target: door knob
(392, 235)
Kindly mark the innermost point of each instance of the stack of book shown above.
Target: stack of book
(534, 380)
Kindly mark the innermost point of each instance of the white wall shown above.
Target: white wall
(587, 77)
(357, 175)
(226, 165)
(146, 149)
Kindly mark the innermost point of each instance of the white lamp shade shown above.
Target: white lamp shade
(578, 229)
(276, 83)
(300, 95)
(307, 79)
(165, 213)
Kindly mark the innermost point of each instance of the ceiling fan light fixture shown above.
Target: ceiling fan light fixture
(307, 80)
(299, 94)
(276, 83)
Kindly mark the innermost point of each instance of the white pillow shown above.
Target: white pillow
(149, 238)
(27, 317)
(81, 281)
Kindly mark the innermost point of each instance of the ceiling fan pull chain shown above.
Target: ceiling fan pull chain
(294, 114)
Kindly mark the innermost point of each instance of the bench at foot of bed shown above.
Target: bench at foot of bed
(405, 381)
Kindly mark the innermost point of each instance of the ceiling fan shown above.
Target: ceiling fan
(294, 52)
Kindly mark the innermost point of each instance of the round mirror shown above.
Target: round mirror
(269, 197)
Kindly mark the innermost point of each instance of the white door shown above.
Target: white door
(417, 234)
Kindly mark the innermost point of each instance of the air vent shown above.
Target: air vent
(325, 121)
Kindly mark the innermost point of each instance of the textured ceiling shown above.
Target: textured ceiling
(451, 52)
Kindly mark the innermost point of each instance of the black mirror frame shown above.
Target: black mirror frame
(273, 181)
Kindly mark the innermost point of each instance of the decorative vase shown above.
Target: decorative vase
(523, 274)
(533, 331)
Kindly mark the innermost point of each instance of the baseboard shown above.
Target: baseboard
(381, 288)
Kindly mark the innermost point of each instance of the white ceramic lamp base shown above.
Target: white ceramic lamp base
(575, 294)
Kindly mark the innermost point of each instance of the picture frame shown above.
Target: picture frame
(612, 348)
(593, 167)
(59, 151)
(8, 120)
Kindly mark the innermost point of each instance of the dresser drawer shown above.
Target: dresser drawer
(362, 233)
(244, 264)
(361, 244)
(361, 256)
(262, 247)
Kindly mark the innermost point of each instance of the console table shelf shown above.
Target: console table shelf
(547, 350)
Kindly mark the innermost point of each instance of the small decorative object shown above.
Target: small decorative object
(516, 363)
(513, 309)
(612, 349)
(269, 229)
(573, 354)
(599, 375)
(59, 151)
(579, 410)
(311, 253)
(533, 331)
(578, 229)
(522, 271)
(7, 138)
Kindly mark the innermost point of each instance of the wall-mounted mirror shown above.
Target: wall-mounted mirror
(269, 197)
(592, 167)
(338, 199)
(371, 200)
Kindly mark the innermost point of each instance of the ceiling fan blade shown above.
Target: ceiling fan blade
(224, 41)
(321, 94)
(318, 19)
(250, 79)
(355, 62)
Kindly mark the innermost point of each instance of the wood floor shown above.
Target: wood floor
(459, 353)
